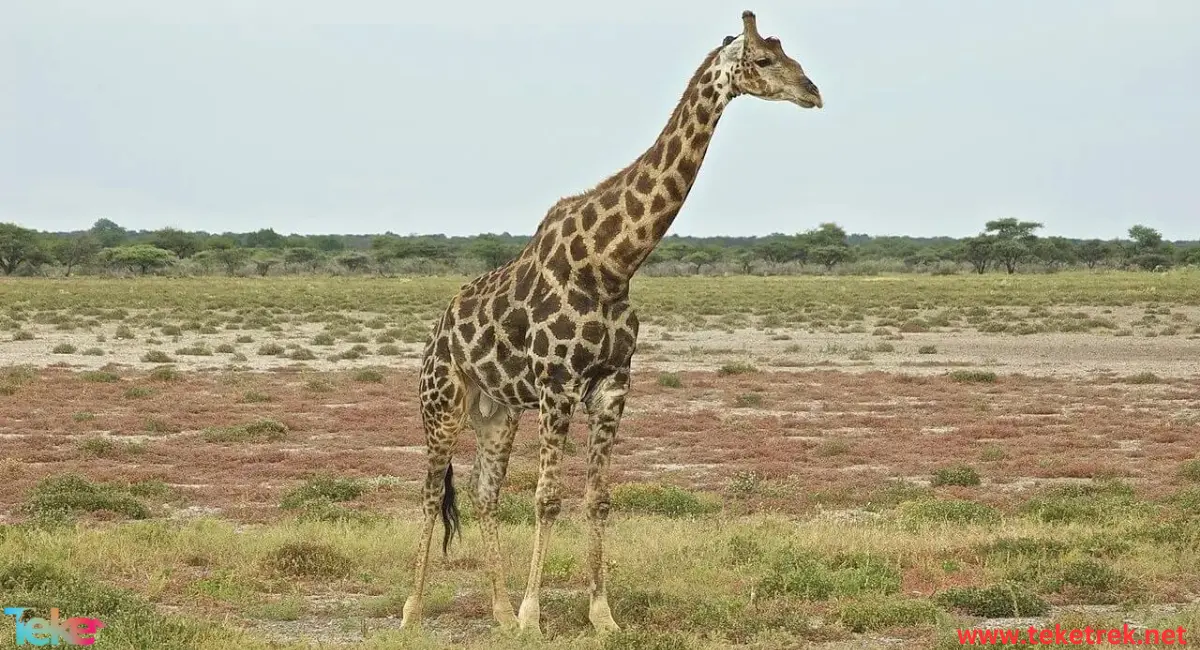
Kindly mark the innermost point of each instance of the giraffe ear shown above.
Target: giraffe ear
(727, 41)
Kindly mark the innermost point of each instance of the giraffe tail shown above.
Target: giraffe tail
(449, 510)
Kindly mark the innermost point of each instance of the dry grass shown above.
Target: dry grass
(748, 504)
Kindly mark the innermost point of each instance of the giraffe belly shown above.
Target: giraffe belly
(508, 360)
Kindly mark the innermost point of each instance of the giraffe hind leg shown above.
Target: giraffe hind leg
(443, 413)
(495, 428)
(604, 408)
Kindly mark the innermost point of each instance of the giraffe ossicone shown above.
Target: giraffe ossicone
(553, 330)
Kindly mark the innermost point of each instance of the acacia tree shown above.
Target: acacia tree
(830, 256)
(827, 245)
(1013, 240)
(302, 256)
(75, 250)
(1092, 251)
(141, 258)
(183, 244)
(1148, 250)
(979, 252)
(18, 246)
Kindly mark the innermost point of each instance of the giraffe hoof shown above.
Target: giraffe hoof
(507, 621)
(531, 628)
(605, 627)
(601, 617)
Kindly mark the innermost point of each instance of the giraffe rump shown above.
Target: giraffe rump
(449, 510)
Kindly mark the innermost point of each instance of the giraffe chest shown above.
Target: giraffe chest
(511, 356)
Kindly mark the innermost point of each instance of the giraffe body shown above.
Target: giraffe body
(553, 329)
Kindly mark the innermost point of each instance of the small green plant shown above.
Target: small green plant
(368, 375)
(264, 430)
(318, 385)
(956, 475)
(302, 354)
(1190, 470)
(745, 483)
(156, 356)
(64, 348)
(197, 350)
(100, 376)
(927, 349)
(253, 397)
(164, 373)
(748, 400)
(22, 335)
(322, 487)
(309, 559)
(123, 332)
(947, 511)
(225, 348)
(973, 376)
(61, 496)
(138, 392)
(831, 447)
(993, 453)
(667, 500)
(669, 380)
(389, 350)
(99, 446)
(736, 368)
(879, 613)
(1001, 600)
(270, 350)
(1143, 378)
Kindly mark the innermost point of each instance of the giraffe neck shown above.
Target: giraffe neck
(652, 190)
(600, 238)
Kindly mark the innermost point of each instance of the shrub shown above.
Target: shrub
(257, 431)
(956, 475)
(322, 487)
(667, 500)
(967, 376)
(669, 380)
(61, 496)
(996, 601)
(309, 559)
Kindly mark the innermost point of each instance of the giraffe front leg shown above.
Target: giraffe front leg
(604, 416)
(556, 409)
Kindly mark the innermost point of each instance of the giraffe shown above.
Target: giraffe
(553, 330)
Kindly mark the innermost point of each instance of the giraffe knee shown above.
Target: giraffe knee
(548, 507)
(486, 498)
(598, 505)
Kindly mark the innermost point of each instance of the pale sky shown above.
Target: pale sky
(364, 116)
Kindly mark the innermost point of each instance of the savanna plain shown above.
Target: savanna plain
(805, 462)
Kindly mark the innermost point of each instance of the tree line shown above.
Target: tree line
(1005, 245)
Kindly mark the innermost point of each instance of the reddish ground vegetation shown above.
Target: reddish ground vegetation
(829, 437)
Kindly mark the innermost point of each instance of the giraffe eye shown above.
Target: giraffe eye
(763, 62)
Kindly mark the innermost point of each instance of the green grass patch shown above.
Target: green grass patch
(264, 430)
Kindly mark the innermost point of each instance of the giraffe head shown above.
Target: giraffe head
(763, 70)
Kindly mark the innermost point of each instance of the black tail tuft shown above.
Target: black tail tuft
(449, 510)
